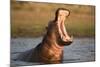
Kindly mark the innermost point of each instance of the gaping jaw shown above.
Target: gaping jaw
(65, 38)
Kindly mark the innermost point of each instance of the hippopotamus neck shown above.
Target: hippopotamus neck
(51, 53)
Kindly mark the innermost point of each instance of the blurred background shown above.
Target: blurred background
(29, 19)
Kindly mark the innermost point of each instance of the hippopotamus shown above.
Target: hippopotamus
(50, 50)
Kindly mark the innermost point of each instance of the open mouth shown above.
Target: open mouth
(62, 26)
(62, 30)
(65, 38)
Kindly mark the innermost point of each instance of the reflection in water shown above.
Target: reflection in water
(81, 50)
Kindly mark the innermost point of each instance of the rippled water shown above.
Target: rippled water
(81, 50)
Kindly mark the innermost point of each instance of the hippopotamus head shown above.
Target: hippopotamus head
(56, 31)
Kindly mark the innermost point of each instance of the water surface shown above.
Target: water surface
(81, 50)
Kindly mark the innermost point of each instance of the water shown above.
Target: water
(81, 50)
